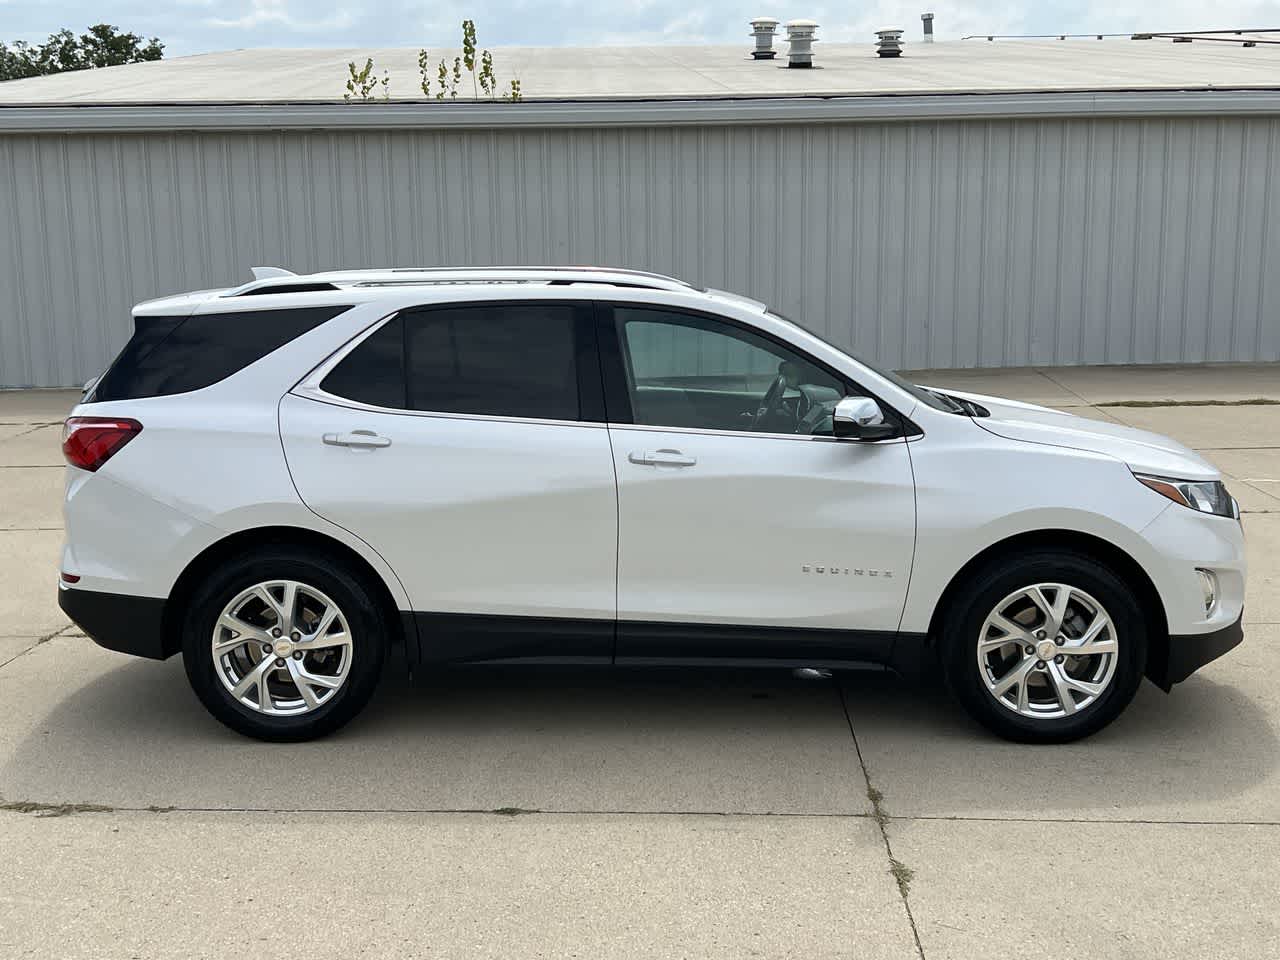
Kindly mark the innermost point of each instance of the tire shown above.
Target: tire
(341, 670)
(1036, 712)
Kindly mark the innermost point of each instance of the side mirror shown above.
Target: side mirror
(860, 418)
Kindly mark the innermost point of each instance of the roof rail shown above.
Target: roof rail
(407, 276)
(620, 271)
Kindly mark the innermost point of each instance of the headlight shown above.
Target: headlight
(1207, 496)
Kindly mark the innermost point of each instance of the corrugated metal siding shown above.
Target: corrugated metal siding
(924, 244)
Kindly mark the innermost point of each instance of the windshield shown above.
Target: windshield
(930, 398)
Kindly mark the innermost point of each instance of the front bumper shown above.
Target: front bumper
(119, 622)
(1186, 654)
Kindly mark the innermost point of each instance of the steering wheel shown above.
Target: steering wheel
(771, 402)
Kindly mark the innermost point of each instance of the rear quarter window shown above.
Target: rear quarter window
(168, 355)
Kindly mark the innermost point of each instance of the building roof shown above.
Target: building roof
(663, 85)
(682, 72)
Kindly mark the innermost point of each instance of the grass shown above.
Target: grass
(1255, 402)
(53, 809)
(903, 875)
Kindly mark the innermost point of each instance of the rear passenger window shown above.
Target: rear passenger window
(168, 355)
(508, 360)
(373, 372)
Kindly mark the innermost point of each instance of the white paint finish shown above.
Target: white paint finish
(528, 510)
(488, 515)
(1143, 451)
(475, 515)
(916, 244)
(975, 489)
(728, 538)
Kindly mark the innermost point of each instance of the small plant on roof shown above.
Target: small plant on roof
(424, 71)
(469, 52)
(361, 82)
(478, 63)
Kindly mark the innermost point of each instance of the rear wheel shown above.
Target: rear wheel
(284, 644)
(1045, 647)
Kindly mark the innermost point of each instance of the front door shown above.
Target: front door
(461, 443)
(746, 530)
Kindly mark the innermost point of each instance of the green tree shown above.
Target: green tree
(103, 45)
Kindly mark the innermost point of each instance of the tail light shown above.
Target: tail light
(89, 442)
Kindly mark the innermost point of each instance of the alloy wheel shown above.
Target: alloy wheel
(282, 648)
(1047, 651)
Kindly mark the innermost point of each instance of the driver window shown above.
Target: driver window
(691, 371)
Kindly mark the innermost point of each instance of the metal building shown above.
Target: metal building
(967, 204)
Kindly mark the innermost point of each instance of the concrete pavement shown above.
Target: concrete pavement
(690, 813)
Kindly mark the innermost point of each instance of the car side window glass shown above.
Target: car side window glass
(171, 355)
(506, 360)
(687, 370)
(373, 372)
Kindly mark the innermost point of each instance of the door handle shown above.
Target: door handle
(356, 438)
(666, 457)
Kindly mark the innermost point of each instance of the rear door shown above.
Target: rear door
(465, 444)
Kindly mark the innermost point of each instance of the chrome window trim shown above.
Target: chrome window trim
(705, 432)
(336, 401)
(309, 388)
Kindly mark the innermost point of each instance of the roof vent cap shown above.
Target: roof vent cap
(890, 43)
(764, 29)
(800, 34)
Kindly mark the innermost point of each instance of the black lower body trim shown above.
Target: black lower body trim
(1187, 653)
(480, 638)
(118, 621)
(468, 638)
(660, 641)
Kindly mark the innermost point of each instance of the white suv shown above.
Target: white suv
(588, 466)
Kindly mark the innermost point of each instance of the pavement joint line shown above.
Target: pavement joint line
(31, 429)
(35, 643)
(33, 806)
(1063, 386)
(1101, 821)
(901, 873)
(43, 807)
(1158, 404)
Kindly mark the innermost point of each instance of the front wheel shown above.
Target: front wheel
(284, 644)
(1045, 647)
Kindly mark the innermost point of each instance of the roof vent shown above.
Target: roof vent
(764, 29)
(927, 18)
(800, 34)
(890, 43)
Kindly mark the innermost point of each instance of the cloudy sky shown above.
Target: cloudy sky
(196, 26)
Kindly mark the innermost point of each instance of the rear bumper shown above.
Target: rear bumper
(1189, 652)
(119, 622)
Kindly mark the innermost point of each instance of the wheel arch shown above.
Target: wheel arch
(1086, 543)
(246, 540)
